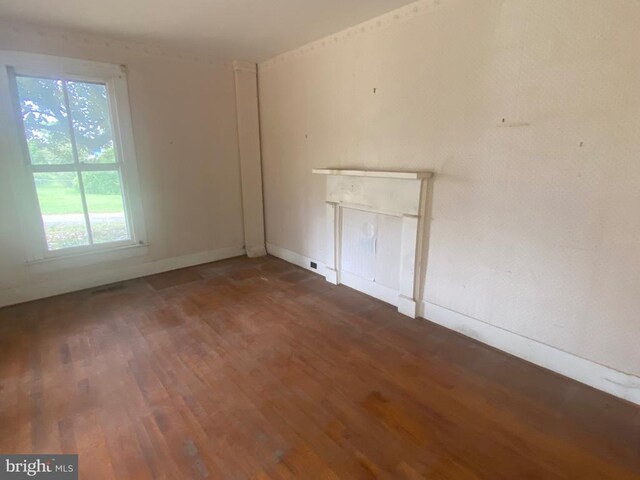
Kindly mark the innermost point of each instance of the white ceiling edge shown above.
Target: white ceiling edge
(251, 30)
(77, 38)
(91, 40)
(407, 12)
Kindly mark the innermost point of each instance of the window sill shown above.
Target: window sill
(81, 259)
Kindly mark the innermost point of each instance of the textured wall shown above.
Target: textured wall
(184, 124)
(535, 224)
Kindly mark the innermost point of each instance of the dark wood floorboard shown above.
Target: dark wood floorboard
(256, 369)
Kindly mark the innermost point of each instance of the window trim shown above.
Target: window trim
(114, 77)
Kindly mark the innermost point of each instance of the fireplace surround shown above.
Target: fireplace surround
(400, 194)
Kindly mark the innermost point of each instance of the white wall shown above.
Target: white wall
(185, 133)
(535, 220)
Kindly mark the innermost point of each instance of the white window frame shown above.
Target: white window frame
(16, 151)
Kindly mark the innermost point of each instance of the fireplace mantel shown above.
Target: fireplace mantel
(397, 193)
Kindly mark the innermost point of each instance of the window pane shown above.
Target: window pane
(44, 115)
(61, 208)
(106, 211)
(91, 122)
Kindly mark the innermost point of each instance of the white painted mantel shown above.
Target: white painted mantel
(400, 194)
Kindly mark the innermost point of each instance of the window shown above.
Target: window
(74, 138)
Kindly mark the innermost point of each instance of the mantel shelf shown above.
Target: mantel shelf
(353, 172)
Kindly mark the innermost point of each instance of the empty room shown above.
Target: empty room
(298, 239)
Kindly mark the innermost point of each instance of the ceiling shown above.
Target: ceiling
(231, 29)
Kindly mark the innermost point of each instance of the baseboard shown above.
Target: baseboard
(368, 287)
(72, 283)
(256, 251)
(296, 259)
(407, 306)
(376, 290)
(598, 376)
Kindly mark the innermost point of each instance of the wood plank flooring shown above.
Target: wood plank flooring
(256, 369)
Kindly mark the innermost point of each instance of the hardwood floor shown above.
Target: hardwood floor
(254, 368)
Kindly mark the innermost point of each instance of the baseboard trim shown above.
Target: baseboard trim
(296, 259)
(373, 289)
(256, 251)
(103, 276)
(601, 377)
(614, 382)
(407, 306)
